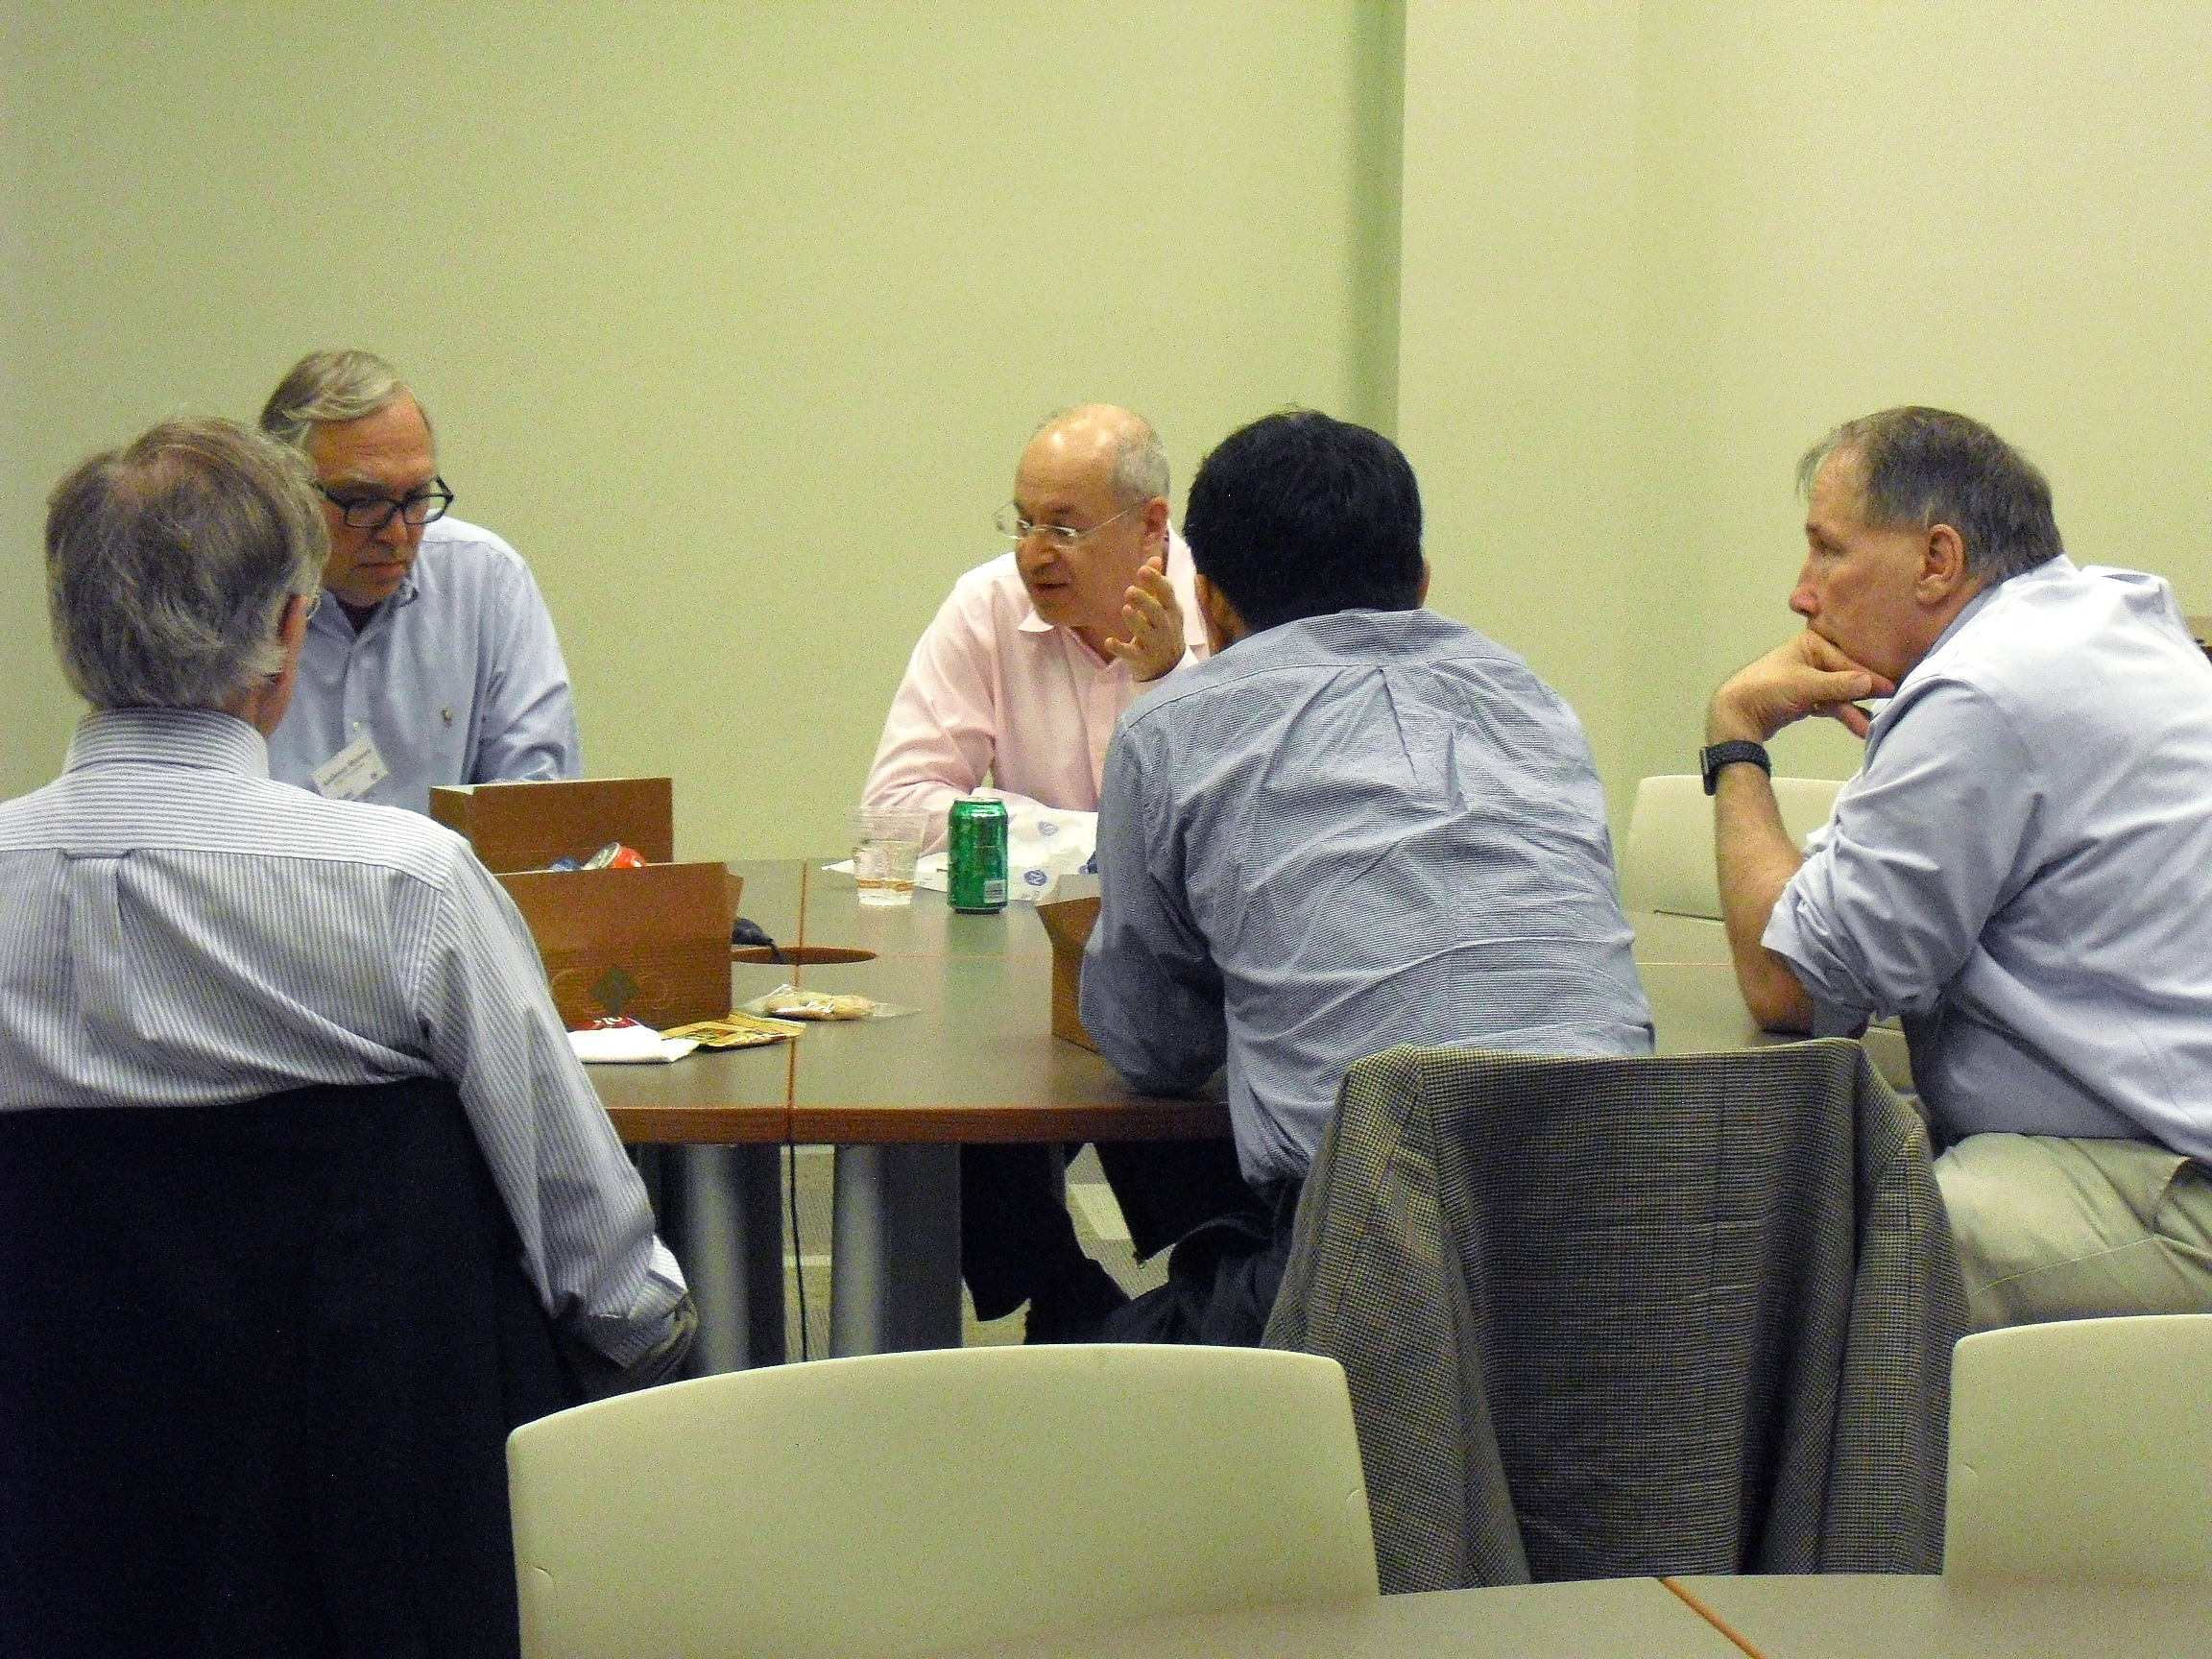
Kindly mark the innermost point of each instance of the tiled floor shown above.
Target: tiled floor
(1098, 1225)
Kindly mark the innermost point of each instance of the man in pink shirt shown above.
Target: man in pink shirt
(1018, 683)
(1034, 656)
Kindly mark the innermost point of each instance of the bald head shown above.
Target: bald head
(1122, 445)
(1100, 472)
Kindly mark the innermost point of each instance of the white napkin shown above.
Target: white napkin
(629, 1045)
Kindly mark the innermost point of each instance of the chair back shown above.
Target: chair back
(2084, 1450)
(906, 1502)
(259, 1368)
(1669, 862)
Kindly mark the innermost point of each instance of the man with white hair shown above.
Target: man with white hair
(438, 662)
(1034, 656)
(1017, 685)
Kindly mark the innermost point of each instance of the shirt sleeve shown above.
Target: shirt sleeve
(942, 731)
(577, 1204)
(527, 717)
(1926, 845)
(1152, 996)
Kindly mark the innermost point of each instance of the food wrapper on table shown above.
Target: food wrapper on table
(789, 1002)
(737, 1031)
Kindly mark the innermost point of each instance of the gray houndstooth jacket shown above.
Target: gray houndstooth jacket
(1622, 1316)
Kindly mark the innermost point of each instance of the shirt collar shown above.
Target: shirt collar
(169, 737)
(2058, 565)
(1931, 660)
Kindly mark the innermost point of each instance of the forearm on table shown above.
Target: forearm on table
(1163, 1036)
(1755, 859)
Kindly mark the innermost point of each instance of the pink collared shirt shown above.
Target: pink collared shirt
(995, 691)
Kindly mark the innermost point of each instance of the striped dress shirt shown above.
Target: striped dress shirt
(177, 929)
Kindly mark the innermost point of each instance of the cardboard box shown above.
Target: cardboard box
(653, 944)
(527, 825)
(1068, 924)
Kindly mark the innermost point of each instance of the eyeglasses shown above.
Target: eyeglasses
(1018, 529)
(375, 512)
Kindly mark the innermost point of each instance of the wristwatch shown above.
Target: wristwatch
(1711, 760)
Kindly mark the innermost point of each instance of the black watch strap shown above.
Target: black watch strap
(1711, 760)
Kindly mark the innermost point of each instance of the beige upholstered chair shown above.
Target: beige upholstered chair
(1669, 862)
(2083, 1450)
(906, 1502)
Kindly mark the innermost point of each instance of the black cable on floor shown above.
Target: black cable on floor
(798, 1250)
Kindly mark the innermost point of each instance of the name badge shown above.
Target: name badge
(354, 771)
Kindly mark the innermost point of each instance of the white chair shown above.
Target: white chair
(2083, 1450)
(1669, 862)
(906, 1502)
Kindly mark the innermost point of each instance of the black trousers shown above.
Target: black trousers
(1015, 1234)
(1222, 1278)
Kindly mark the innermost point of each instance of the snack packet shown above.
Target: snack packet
(795, 1004)
(736, 1031)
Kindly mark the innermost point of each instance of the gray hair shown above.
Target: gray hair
(1139, 458)
(169, 563)
(1140, 464)
(1921, 467)
(326, 387)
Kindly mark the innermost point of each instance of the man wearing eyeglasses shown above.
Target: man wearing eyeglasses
(1030, 661)
(1018, 683)
(437, 662)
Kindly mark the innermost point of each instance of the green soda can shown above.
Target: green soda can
(975, 862)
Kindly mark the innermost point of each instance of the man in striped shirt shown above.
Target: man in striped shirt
(177, 929)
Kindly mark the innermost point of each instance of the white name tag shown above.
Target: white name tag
(354, 771)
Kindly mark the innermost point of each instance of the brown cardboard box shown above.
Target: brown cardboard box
(653, 944)
(1067, 922)
(527, 825)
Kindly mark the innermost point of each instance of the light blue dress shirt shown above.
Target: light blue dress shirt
(1342, 833)
(2023, 866)
(458, 677)
(177, 929)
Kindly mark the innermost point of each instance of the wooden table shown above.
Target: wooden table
(1841, 1615)
(1603, 1619)
(976, 1061)
(1849, 1616)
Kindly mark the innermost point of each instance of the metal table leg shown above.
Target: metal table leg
(895, 1249)
(720, 1209)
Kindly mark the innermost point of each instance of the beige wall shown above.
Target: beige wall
(1652, 251)
(1517, 343)
(732, 317)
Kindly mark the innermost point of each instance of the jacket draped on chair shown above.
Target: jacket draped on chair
(1625, 1317)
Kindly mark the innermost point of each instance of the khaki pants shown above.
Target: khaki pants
(2057, 1228)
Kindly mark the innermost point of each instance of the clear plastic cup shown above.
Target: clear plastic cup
(886, 844)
